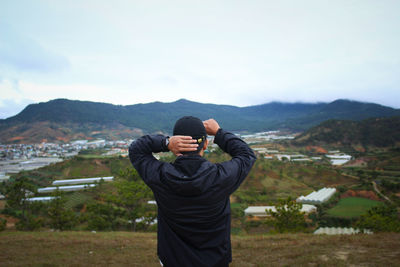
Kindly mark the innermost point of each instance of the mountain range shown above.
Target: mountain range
(65, 120)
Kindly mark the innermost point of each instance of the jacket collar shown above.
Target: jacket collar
(189, 164)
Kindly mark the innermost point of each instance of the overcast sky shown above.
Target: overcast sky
(224, 52)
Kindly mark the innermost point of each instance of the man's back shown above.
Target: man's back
(192, 195)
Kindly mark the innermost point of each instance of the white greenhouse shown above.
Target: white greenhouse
(43, 199)
(318, 197)
(340, 231)
(83, 180)
(261, 210)
(65, 188)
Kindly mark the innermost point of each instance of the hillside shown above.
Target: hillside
(382, 132)
(267, 182)
(77, 167)
(63, 120)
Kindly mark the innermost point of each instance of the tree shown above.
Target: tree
(104, 216)
(288, 216)
(3, 224)
(17, 194)
(132, 194)
(381, 218)
(61, 218)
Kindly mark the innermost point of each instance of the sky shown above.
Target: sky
(236, 52)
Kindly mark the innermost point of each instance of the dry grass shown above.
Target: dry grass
(2, 204)
(139, 249)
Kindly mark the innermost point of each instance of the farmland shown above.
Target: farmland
(352, 207)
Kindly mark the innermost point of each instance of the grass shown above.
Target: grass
(76, 198)
(139, 249)
(94, 156)
(352, 207)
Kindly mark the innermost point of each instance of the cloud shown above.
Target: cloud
(23, 53)
(11, 107)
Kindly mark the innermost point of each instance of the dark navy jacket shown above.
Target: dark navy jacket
(192, 196)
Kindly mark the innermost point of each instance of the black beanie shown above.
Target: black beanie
(191, 126)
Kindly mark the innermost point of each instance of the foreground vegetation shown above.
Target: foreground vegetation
(139, 249)
(122, 205)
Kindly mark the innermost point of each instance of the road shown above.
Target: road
(379, 192)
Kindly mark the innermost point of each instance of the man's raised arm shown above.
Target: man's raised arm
(243, 157)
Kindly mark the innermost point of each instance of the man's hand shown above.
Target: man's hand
(211, 126)
(180, 143)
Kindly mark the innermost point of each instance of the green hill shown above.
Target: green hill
(64, 120)
(378, 132)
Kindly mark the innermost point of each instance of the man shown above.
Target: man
(192, 193)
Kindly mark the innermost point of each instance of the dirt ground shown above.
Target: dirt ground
(139, 249)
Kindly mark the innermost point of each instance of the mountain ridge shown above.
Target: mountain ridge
(156, 117)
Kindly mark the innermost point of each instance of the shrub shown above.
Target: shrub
(380, 219)
(29, 223)
(61, 218)
(3, 223)
(288, 216)
(98, 223)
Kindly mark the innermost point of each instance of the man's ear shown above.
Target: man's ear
(205, 144)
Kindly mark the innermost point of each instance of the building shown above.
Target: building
(43, 199)
(338, 158)
(260, 211)
(317, 197)
(65, 188)
(83, 180)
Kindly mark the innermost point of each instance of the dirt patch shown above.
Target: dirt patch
(11, 221)
(16, 138)
(272, 174)
(362, 193)
(342, 255)
(357, 163)
(324, 257)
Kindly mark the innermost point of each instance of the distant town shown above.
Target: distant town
(18, 157)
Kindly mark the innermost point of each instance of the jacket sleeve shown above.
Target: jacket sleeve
(141, 157)
(234, 171)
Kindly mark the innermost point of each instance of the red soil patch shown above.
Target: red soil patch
(62, 139)
(317, 149)
(254, 218)
(83, 210)
(16, 138)
(362, 193)
(360, 149)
